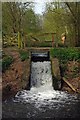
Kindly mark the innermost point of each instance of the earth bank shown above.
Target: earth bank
(16, 77)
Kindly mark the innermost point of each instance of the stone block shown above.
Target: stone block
(56, 74)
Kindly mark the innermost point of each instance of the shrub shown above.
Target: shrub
(7, 60)
(24, 55)
(65, 53)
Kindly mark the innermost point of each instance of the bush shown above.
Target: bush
(7, 60)
(24, 55)
(65, 53)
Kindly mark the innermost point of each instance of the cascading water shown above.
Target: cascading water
(41, 75)
(42, 100)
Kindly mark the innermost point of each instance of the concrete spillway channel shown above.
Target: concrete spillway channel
(40, 56)
(40, 70)
(44, 69)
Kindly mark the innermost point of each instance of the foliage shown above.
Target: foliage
(54, 20)
(74, 8)
(7, 60)
(65, 53)
(24, 55)
(59, 17)
(63, 17)
(39, 43)
(30, 24)
(18, 18)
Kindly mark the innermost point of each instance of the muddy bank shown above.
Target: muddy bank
(71, 71)
(16, 77)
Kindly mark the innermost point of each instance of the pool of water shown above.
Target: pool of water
(46, 104)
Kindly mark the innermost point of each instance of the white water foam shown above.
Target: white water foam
(43, 99)
(42, 93)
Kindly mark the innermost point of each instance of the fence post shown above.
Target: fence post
(52, 40)
(19, 40)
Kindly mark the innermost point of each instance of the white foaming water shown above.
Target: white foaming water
(42, 92)
(41, 75)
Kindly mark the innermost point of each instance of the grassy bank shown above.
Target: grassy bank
(65, 54)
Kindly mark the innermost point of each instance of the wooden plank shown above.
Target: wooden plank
(69, 84)
(36, 39)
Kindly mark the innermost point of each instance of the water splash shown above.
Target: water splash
(42, 93)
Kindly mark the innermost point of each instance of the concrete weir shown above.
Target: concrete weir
(40, 56)
(40, 70)
(56, 74)
(38, 59)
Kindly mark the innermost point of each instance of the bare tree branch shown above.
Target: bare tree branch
(74, 17)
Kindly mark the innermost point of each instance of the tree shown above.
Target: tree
(75, 12)
(64, 18)
(54, 20)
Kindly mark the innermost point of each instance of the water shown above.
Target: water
(42, 101)
(41, 75)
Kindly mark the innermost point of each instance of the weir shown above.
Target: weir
(40, 56)
(42, 100)
(41, 76)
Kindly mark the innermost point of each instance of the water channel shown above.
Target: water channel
(42, 101)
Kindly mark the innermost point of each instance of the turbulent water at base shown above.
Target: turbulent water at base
(42, 100)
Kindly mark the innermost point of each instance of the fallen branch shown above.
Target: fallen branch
(69, 84)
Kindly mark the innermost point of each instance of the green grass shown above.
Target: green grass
(24, 55)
